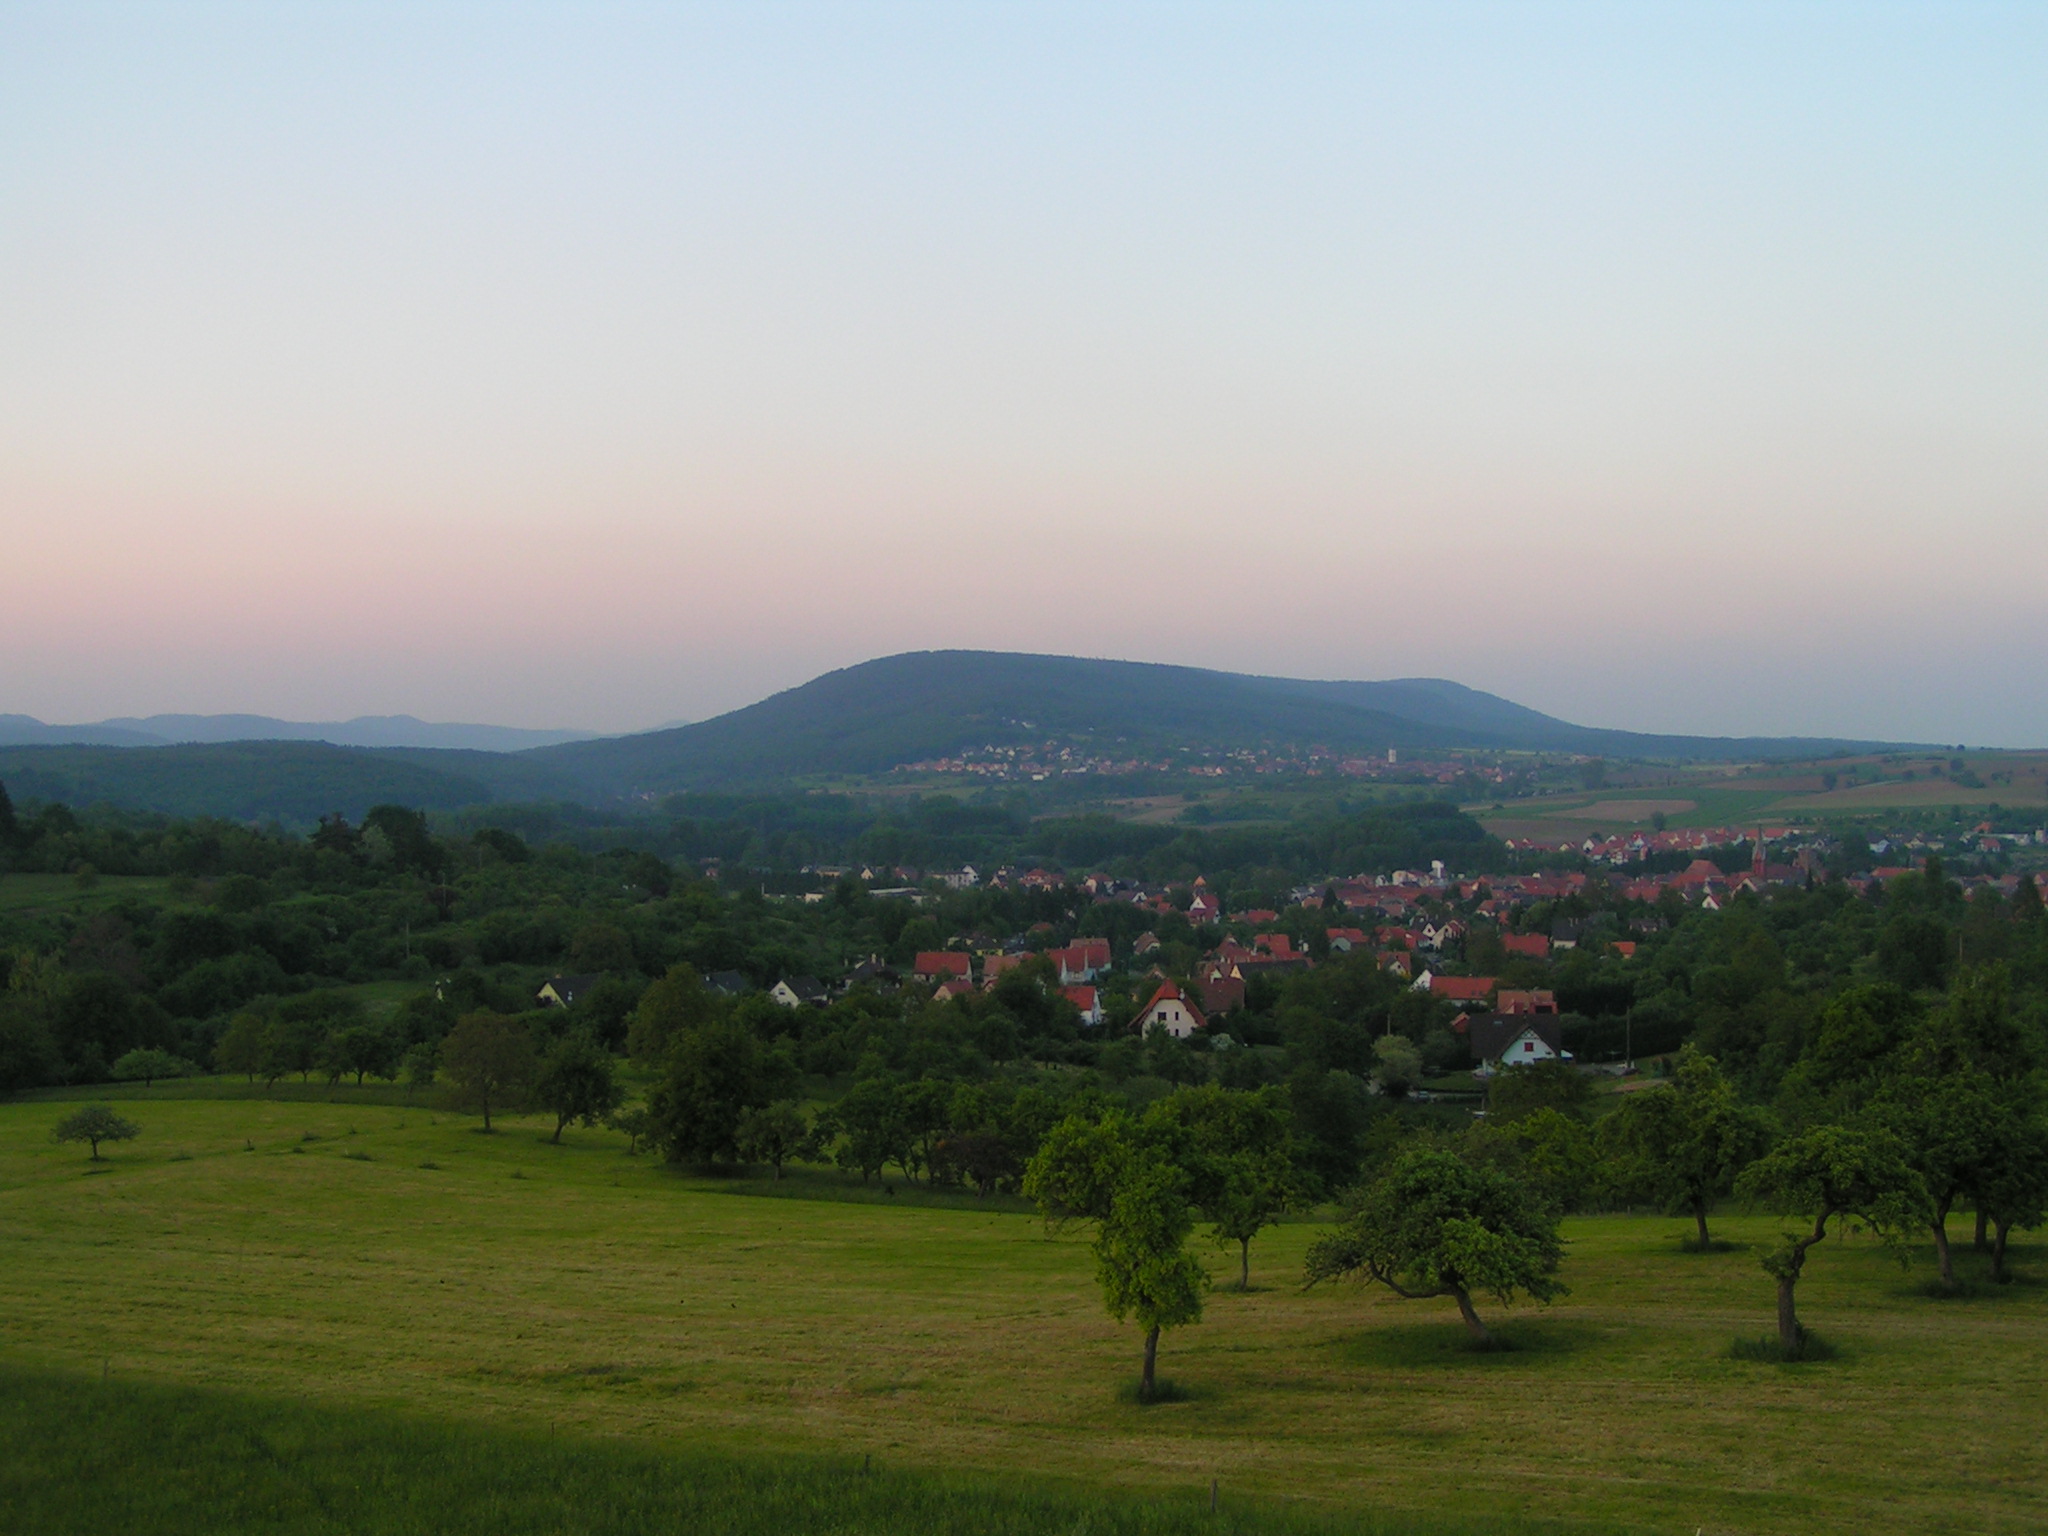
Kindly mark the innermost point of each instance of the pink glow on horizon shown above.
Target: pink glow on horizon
(1674, 372)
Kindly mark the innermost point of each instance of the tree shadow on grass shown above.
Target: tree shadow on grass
(1423, 1346)
(1164, 1392)
(1768, 1351)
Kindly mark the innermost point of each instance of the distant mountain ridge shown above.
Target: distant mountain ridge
(858, 720)
(363, 731)
(926, 704)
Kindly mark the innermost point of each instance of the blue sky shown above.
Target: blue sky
(1665, 367)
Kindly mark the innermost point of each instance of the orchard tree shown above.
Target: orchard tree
(488, 1062)
(1437, 1225)
(1830, 1171)
(576, 1082)
(2012, 1189)
(1551, 1154)
(1949, 1091)
(1238, 1149)
(149, 1066)
(870, 1119)
(241, 1046)
(713, 1074)
(95, 1123)
(1109, 1174)
(773, 1134)
(363, 1049)
(673, 1005)
(1681, 1147)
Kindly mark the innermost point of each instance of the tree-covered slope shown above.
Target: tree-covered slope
(293, 782)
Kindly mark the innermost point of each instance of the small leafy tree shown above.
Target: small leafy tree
(148, 1066)
(576, 1082)
(1681, 1147)
(95, 1123)
(1238, 1149)
(364, 1049)
(1831, 1171)
(1550, 1154)
(2012, 1189)
(773, 1134)
(241, 1046)
(713, 1074)
(420, 1066)
(489, 1063)
(678, 1002)
(1106, 1173)
(1437, 1225)
(870, 1121)
(1396, 1065)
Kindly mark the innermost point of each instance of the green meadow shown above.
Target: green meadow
(340, 1313)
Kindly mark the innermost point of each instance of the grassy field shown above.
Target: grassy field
(369, 1266)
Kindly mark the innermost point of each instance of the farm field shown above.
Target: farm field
(1718, 799)
(363, 1258)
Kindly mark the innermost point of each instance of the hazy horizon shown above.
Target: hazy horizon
(1674, 370)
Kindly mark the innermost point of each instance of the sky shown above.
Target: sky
(1675, 368)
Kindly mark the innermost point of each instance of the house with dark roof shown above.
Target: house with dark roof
(798, 992)
(566, 991)
(729, 983)
(1501, 1040)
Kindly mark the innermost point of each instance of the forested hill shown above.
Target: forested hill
(864, 719)
(295, 782)
(927, 704)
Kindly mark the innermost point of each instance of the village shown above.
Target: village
(1446, 936)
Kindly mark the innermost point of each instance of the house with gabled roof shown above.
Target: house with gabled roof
(1466, 991)
(798, 992)
(1500, 1040)
(1172, 1010)
(943, 964)
(1081, 961)
(566, 991)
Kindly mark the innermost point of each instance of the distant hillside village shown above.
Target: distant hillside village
(1058, 759)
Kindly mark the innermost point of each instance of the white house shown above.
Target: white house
(1516, 1040)
(1171, 1010)
(798, 992)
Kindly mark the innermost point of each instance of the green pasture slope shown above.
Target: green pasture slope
(349, 1315)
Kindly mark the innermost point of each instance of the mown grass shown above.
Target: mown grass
(607, 1299)
(91, 1456)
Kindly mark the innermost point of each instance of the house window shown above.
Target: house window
(1528, 1047)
